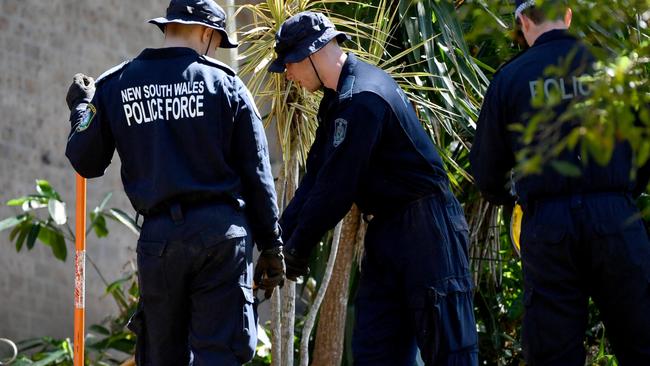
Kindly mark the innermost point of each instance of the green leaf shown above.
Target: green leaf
(31, 205)
(99, 225)
(43, 187)
(33, 234)
(12, 221)
(104, 202)
(59, 248)
(14, 232)
(52, 358)
(46, 235)
(116, 286)
(57, 211)
(134, 290)
(24, 231)
(566, 168)
(53, 237)
(125, 219)
(17, 201)
(99, 329)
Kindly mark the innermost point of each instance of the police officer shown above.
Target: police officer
(370, 149)
(581, 236)
(195, 164)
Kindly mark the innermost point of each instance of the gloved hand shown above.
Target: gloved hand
(81, 90)
(269, 270)
(296, 266)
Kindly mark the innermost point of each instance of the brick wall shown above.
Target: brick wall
(42, 44)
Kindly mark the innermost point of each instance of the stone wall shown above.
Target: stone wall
(42, 44)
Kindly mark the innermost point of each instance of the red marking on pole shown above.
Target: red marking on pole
(80, 273)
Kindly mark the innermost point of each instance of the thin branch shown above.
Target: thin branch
(313, 311)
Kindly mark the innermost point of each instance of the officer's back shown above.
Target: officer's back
(171, 111)
(195, 164)
(581, 235)
(553, 72)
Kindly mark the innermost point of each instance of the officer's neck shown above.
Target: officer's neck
(535, 32)
(183, 42)
(330, 61)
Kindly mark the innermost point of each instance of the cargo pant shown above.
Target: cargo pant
(582, 246)
(416, 288)
(196, 301)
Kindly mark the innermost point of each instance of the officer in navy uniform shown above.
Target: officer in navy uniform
(581, 236)
(371, 149)
(195, 165)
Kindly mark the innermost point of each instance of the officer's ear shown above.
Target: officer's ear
(206, 34)
(568, 15)
(525, 22)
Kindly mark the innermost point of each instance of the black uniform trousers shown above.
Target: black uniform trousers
(581, 246)
(416, 289)
(196, 300)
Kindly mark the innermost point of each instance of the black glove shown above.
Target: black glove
(296, 266)
(269, 270)
(81, 90)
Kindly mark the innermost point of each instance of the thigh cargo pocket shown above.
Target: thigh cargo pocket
(246, 337)
(444, 319)
(151, 268)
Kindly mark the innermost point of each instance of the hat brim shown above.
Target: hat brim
(226, 42)
(306, 48)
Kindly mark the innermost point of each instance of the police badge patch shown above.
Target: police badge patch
(340, 128)
(89, 115)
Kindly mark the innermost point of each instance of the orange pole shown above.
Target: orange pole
(80, 273)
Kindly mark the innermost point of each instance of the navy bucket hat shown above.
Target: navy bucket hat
(201, 12)
(302, 35)
(521, 5)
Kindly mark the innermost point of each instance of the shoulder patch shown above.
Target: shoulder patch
(88, 117)
(340, 130)
(110, 72)
(218, 64)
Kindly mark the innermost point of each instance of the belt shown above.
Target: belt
(389, 212)
(176, 207)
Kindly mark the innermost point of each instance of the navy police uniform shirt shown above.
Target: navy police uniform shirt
(508, 101)
(370, 149)
(186, 130)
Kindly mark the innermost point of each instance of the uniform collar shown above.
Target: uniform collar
(167, 52)
(553, 35)
(346, 79)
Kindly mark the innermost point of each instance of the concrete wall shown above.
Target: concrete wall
(42, 44)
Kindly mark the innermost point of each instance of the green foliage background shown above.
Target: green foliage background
(455, 49)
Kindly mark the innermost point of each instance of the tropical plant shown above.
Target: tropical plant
(447, 92)
(107, 343)
(51, 226)
(44, 220)
(442, 54)
(618, 32)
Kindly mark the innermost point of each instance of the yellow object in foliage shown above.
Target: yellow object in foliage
(515, 228)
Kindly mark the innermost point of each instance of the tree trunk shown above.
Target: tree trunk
(276, 299)
(288, 301)
(328, 350)
(310, 320)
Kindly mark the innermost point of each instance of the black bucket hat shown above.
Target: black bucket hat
(302, 35)
(201, 12)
